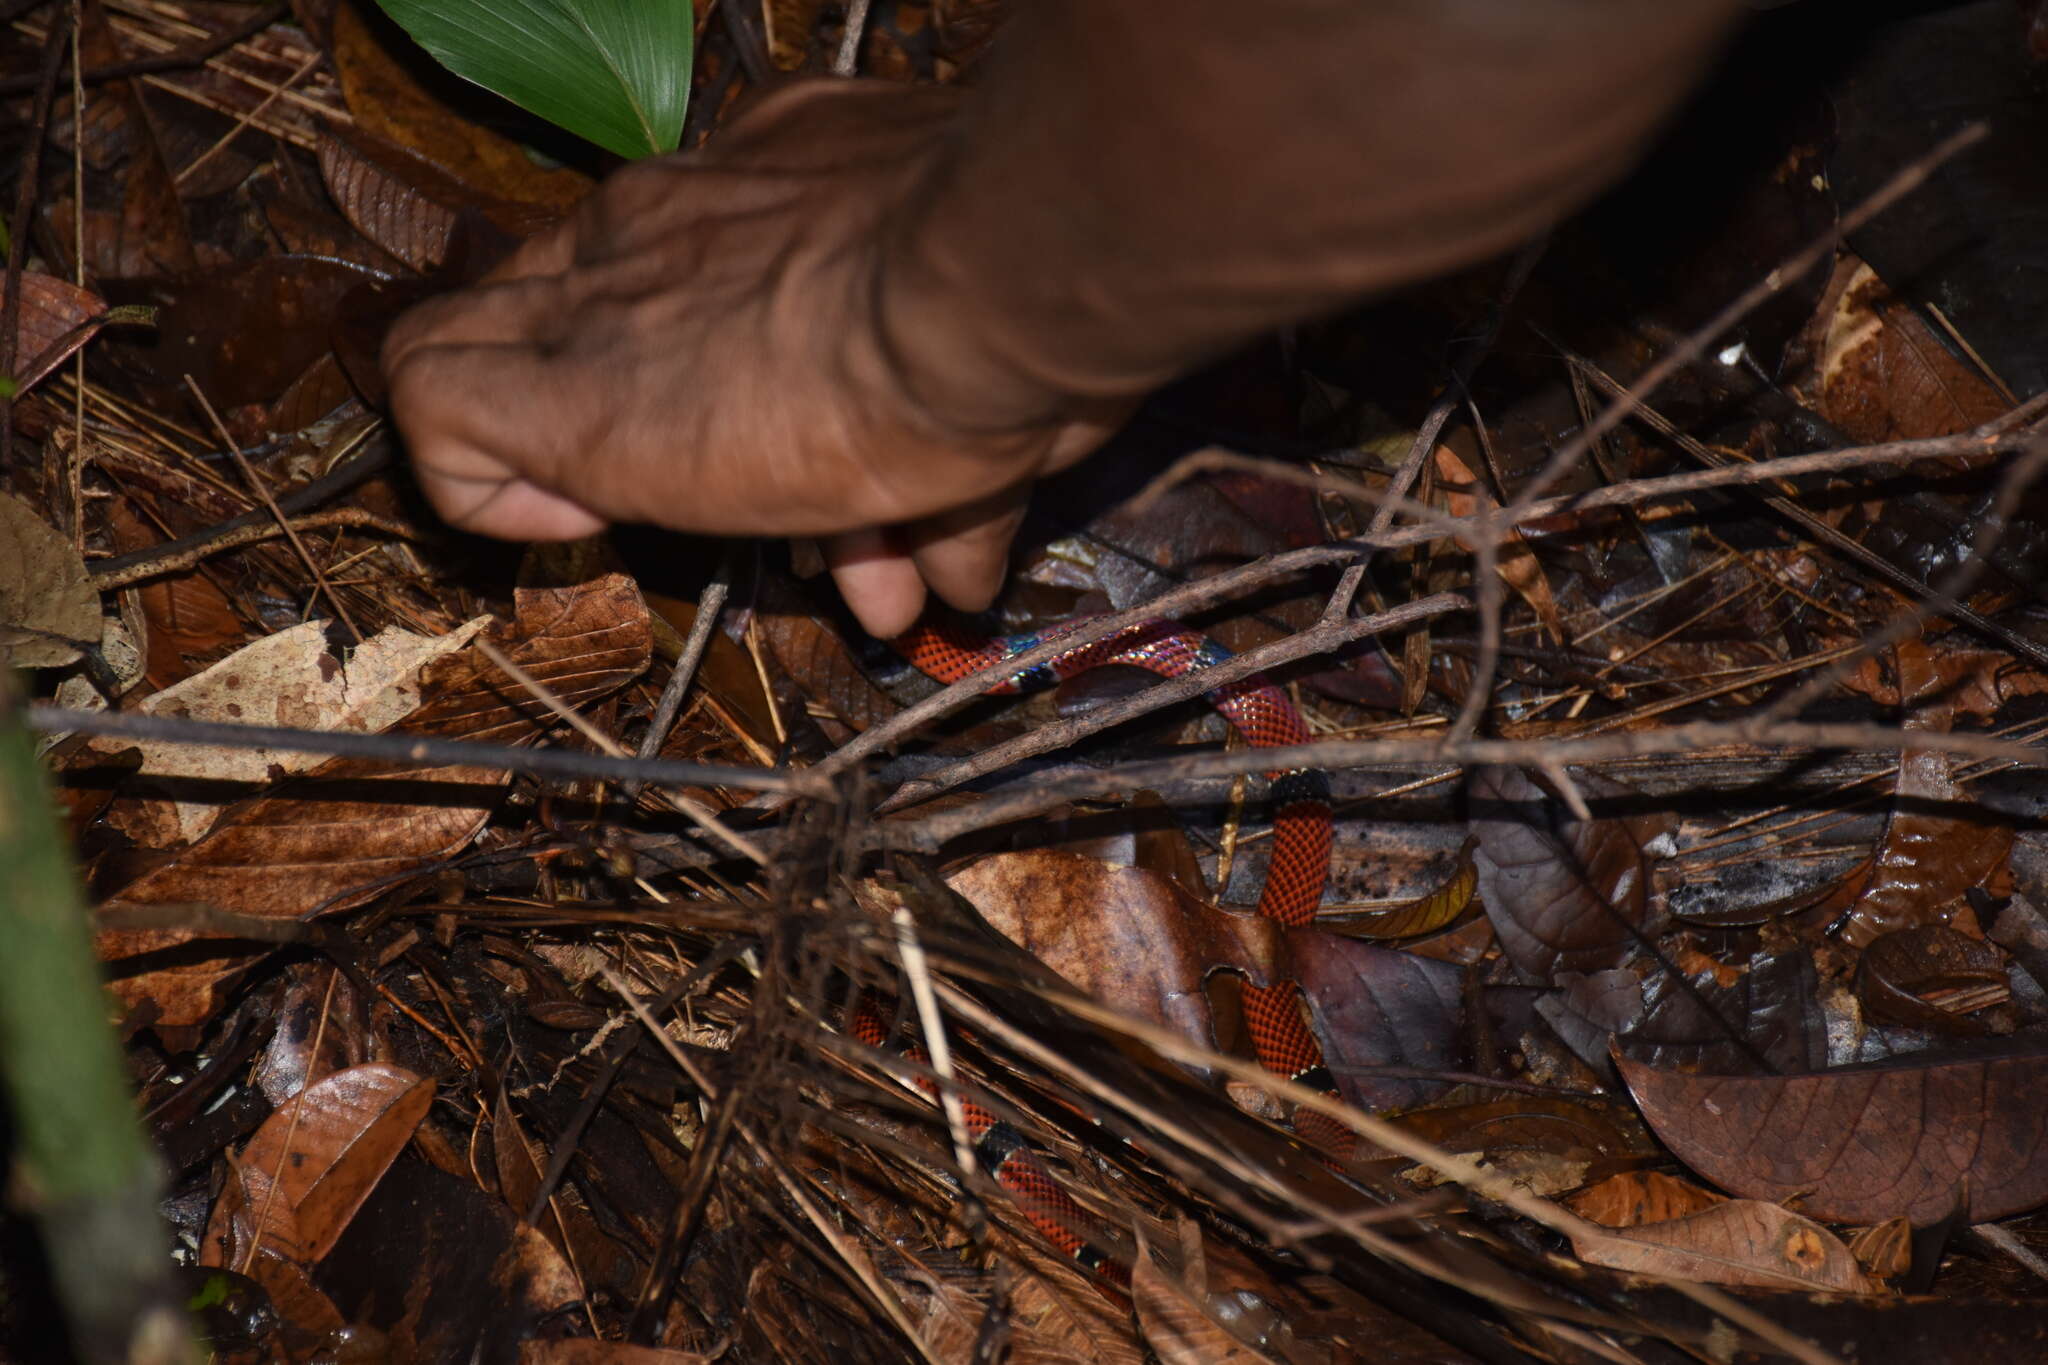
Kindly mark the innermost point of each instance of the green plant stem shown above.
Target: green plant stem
(81, 1165)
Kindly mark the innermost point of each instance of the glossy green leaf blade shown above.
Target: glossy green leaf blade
(614, 71)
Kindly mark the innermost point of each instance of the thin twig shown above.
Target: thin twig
(1190, 597)
(847, 62)
(1325, 636)
(932, 832)
(1464, 1170)
(262, 491)
(195, 54)
(710, 603)
(704, 817)
(351, 518)
(917, 973)
(415, 750)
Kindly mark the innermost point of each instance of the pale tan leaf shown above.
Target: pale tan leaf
(289, 679)
(48, 608)
(1743, 1242)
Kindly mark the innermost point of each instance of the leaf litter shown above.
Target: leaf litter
(1757, 1015)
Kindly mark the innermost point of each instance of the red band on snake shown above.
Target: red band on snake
(1299, 869)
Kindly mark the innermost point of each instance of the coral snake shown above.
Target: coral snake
(1265, 717)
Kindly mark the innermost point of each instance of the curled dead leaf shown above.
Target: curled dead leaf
(1632, 1198)
(1932, 976)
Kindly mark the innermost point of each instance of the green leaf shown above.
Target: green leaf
(614, 71)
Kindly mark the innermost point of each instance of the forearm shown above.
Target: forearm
(1139, 184)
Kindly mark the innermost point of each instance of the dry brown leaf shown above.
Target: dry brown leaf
(1426, 914)
(583, 1351)
(337, 834)
(49, 609)
(385, 99)
(1564, 894)
(287, 679)
(1742, 1242)
(1862, 1144)
(818, 661)
(1635, 1197)
(1176, 1327)
(1886, 376)
(410, 206)
(1465, 496)
(55, 318)
(1058, 1316)
(1928, 858)
(1126, 936)
(325, 1149)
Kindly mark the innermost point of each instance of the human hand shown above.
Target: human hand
(735, 342)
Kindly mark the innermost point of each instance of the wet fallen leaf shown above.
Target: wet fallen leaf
(243, 331)
(1865, 1143)
(49, 609)
(56, 319)
(1563, 894)
(1936, 846)
(1932, 976)
(1377, 1008)
(315, 1161)
(1740, 1242)
(1426, 914)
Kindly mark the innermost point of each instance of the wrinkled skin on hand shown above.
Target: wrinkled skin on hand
(706, 345)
